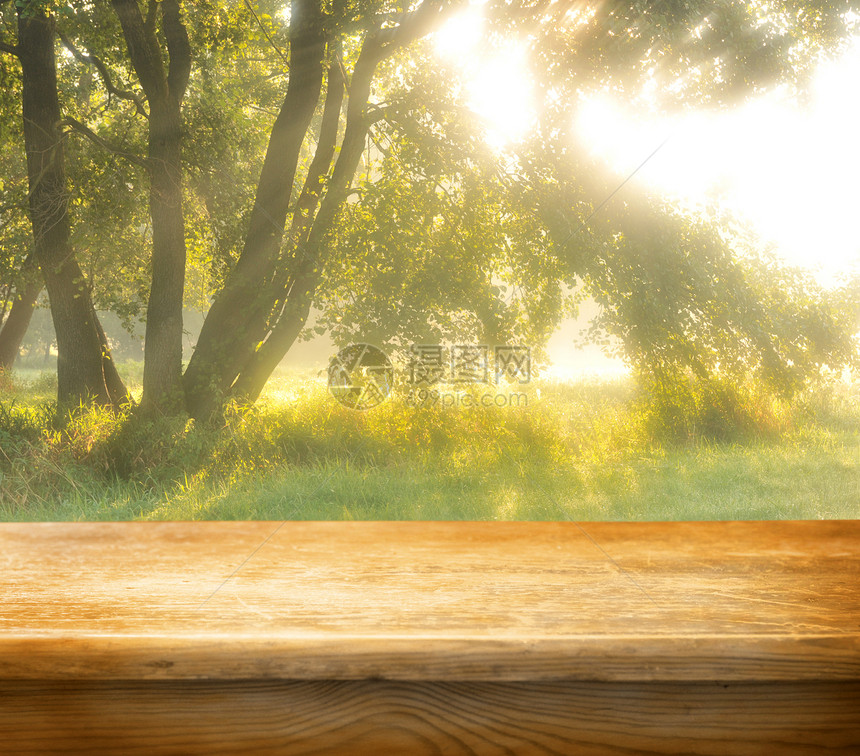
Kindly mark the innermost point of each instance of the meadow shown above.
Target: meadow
(581, 450)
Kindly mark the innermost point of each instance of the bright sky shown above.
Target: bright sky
(791, 171)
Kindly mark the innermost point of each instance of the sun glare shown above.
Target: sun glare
(496, 85)
(790, 171)
(499, 92)
(460, 35)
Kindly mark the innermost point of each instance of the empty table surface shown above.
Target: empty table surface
(428, 600)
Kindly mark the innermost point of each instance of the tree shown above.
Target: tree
(677, 293)
(267, 297)
(164, 89)
(18, 272)
(376, 200)
(683, 294)
(85, 370)
(23, 298)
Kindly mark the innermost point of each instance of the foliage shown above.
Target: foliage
(682, 409)
(437, 237)
(233, 97)
(438, 244)
(577, 451)
(678, 296)
(15, 235)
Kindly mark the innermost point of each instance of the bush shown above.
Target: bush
(161, 449)
(684, 409)
(21, 423)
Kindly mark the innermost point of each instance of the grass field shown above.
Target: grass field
(578, 451)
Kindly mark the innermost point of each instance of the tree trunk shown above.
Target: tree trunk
(162, 367)
(306, 271)
(266, 300)
(23, 304)
(236, 322)
(115, 386)
(310, 237)
(82, 354)
(162, 372)
(297, 278)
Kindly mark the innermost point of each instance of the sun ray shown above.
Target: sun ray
(790, 171)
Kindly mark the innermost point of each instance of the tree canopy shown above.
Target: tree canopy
(260, 158)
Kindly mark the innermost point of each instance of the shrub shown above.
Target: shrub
(683, 409)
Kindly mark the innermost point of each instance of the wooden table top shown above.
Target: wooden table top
(429, 600)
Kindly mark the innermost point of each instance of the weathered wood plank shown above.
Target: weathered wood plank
(437, 601)
(430, 638)
(428, 718)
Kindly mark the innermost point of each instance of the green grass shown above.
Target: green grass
(581, 451)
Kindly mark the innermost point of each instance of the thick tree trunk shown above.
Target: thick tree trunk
(265, 303)
(294, 309)
(237, 320)
(310, 236)
(306, 271)
(162, 372)
(82, 353)
(23, 304)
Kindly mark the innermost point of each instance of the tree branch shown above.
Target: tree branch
(417, 23)
(11, 49)
(378, 44)
(267, 35)
(76, 125)
(326, 144)
(313, 186)
(178, 49)
(151, 16)
(90, 59)
(143, 48)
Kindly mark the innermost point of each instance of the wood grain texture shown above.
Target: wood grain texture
(430, 638)
(630, 602)
(365, 718)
